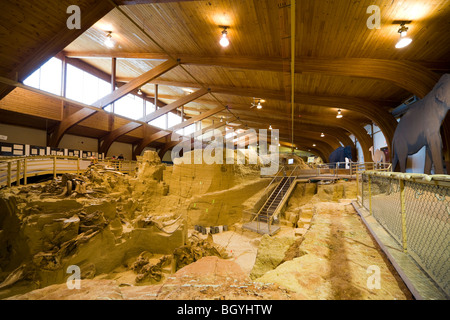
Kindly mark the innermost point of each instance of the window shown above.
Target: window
(189, 129)
(47, 77)
(84, 87)
(130, 106)
(149, 107)
(159, 122)
(174, 119)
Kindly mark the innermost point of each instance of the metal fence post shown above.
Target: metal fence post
(362, 189)
(370, 194)
(403, 213)
(357, 185)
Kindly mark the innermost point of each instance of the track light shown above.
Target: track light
(404, 40)
(109, 41)
(339, 115)
(224, 42)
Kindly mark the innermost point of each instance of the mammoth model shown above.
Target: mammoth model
(420, 126)
(339, 155)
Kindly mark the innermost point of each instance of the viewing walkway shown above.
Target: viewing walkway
(265, 221)
(17, 170)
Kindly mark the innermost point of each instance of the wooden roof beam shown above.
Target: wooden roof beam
(411, 76)
(107, 141)
(133, 2)
(83, 114)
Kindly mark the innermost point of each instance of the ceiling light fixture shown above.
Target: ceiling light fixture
(270, 127)
(109, 41)
(322, 135)
(404, 40)
(257, 103)
(314, 145)
(139, 92)
(339, 115)
(224, 42)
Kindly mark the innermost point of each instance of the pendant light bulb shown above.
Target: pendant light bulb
(404, 40)
(339, 115)
(109, 41)
(224, 42)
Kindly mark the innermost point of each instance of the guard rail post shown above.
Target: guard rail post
(403, 213)
(18, 173)
(370, 193)
(8, 177)
(25, 171)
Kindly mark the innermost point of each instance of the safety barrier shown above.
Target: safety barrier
(414, 209)
(17, 170)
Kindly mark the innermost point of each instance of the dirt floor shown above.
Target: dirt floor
(331, 262)
(138, 237)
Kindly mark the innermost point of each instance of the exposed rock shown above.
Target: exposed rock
(271, 252)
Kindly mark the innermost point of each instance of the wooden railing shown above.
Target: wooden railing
(17, 170)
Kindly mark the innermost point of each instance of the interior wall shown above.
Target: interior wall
(36, 137)
(118, 148)
(69, 141)
(23, 135)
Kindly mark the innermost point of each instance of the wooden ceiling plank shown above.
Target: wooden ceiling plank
(133, 2)
(58, 42)
(409, 75)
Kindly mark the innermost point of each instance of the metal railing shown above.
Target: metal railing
(292, 170)
(17, 170)
(414, 209)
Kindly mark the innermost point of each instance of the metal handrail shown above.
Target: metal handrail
(268, 197)
(288, 179)
(269, 221)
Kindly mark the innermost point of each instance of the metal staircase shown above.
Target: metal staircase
(273, 202)
(262, 222)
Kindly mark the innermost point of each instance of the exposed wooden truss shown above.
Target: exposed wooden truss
(411, 76)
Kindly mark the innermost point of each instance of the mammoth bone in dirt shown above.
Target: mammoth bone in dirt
(420, 126)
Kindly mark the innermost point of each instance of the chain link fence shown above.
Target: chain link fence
(415, 212)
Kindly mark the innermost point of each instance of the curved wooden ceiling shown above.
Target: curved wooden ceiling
(338, 59)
